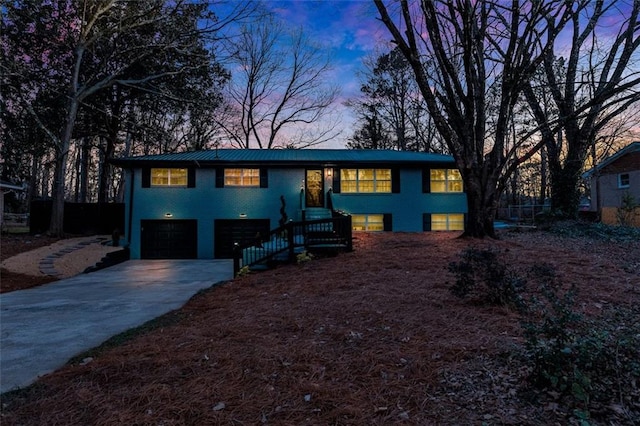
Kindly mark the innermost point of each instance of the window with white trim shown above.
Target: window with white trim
(447, 222)
(242, 177)
(367, 222)
(623, 180)
(365, 180)
(168, 177)
(446, 180)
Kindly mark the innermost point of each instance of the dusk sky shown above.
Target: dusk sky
(348, 28)
(349, 31)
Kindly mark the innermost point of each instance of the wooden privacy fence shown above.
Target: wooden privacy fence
(614, 216)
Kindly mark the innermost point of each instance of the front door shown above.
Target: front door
(314, 188)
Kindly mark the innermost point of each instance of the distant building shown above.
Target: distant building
(616, 177)
(5, 188)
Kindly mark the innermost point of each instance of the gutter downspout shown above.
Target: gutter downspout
(133, 174)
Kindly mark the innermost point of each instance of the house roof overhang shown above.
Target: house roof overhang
(632, 147)
(285, 158)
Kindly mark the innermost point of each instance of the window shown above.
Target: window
(446, 180)
(242, 177)
(367, 222)
(168, 177)
(365, 180)
(447, 222)
(623, 180)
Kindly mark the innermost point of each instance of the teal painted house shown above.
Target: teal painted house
(197, 204)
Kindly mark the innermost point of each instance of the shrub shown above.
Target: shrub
(481, 274)
(593, 361)
(627, 209)
(303, 257)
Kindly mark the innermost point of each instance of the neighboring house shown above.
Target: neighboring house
(612, 180)
(197, 204)
(5, 188)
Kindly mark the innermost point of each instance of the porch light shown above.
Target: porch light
(329, 172)
(168, 215)
(243, 215)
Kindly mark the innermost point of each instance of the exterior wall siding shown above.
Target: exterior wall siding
(206, 203)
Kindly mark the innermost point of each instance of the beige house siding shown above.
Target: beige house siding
(610, 193)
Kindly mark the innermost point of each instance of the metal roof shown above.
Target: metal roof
(286, 157)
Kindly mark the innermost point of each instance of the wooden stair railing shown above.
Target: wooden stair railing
(285, 242)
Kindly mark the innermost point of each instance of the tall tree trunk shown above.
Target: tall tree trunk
(482, 207)
(56, 227)
(78, 174)
(126, 153)
(543, 175)
(566, 173)
(106, 153)
(84, 167)
(565, 197)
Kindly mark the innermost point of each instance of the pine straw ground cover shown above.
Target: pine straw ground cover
(370, 337)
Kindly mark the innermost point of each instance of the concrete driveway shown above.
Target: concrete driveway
(43, 327)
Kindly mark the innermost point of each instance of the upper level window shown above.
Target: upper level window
(365, 180)
(446, 180)
(623, 180)
(242, 177)
(168, 177)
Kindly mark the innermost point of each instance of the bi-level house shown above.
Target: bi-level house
(198, 204)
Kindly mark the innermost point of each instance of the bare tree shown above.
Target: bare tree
(596, 82)
(391, 105)
(279, 84)
(87, 47)
(460, 51)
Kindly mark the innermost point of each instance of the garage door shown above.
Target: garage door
(242, 231)
(169, 239)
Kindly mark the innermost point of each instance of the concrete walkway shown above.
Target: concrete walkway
(43, 327)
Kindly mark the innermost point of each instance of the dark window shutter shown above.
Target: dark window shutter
(426, 180)
(264, 177)
(395, 180)
(426, 221)
(387, 222)
(336, 180)
(146, 177)
(191, 177)
(219, 177)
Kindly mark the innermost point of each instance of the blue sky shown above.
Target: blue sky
(348, 30)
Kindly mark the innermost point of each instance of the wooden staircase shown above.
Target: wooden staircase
(330, 234)
(317, 213)
(322, 236)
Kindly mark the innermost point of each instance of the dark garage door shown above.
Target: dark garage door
(242, 231)
(169, 239)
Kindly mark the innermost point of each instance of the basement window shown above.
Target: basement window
(367, 222)
(447, 222)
